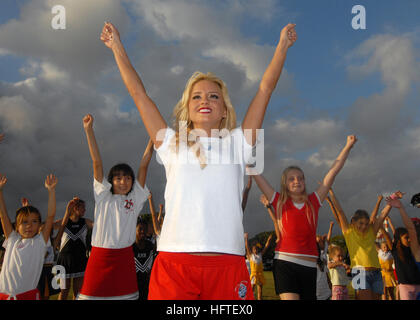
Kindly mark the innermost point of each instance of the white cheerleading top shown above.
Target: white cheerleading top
(116, 215)
(203, 206)
(22, 264)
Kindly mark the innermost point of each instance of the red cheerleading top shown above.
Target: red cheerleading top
(299, 234)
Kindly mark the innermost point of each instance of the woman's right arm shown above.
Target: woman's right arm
(152, 119)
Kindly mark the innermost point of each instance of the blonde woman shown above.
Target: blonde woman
(202, 233)
(296, 213)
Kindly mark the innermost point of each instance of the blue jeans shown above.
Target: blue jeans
(367, 280)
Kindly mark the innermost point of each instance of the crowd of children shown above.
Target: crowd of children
(199, 250)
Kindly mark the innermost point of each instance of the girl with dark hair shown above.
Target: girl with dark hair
(110, 272)
(25, 246)
(71, 241)
(406, 253)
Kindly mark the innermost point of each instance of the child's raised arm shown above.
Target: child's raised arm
(256, 110)
(412, 233)
(155, 221)
(334, 211)
(385, 211)
(330, 232)
(98, 173)
(152, 119)
(248, 252)
(144, 163)
(5, 220)
(267, 244)
(267, 204)
(50, 184)
(69, 209)
(245, 193)
(376, 209)
(338, 164)
(264, 186)
(342, 219)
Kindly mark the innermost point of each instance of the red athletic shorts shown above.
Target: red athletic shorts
(110, 274)
(183, 276)
(28, 295)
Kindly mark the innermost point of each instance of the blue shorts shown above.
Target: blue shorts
(367, 280)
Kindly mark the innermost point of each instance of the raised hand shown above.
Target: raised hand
(288, 36)
(88, 121)
(51, 182)
(3, 181)
(24, 201)
(351, 140)
(264, 200)
(110, 35)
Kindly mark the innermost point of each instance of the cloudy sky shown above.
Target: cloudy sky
(336, 81)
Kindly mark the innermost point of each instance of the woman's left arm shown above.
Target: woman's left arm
(256, 110)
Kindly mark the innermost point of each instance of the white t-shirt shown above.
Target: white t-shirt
(116, 215)
(22, 264)
(203, 206)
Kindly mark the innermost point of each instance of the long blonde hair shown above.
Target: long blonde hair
(284, 195)
(182, 119)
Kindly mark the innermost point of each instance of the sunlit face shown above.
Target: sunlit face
(338, 256)
(255, 250)
(405, 240)
(122, 183)
(206, 106)
(29, 226)
(361, 225)
(295, 182)
(384, 247)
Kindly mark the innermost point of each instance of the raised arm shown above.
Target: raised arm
(160, 215)
(256, 111)
(98, 172)
(376, 209)
(267, 244)
(334, 211)
(267, 204)
(144, 163)
(5, 220)
(338, 164)
(391, 225)
(69, 209)
(50, 184)
(342, 219)
(330, 232)
(264, 186)
(247, 251)
(245, 193)
(152, 119)
(385, 211)
(156, 224)
(412, 233)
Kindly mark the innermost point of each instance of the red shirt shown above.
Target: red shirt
(299, 234)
